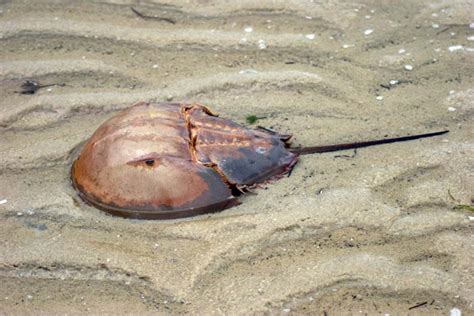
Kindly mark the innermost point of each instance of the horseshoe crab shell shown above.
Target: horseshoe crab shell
(171, 160)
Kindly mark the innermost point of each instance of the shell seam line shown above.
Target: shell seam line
(192, 134)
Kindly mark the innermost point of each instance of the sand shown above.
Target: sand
(376, 232)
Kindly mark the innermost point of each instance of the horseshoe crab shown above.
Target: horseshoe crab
(172, 160)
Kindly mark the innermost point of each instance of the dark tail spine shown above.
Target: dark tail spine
(329, 148)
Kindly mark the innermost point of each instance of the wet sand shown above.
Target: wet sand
(381, 231)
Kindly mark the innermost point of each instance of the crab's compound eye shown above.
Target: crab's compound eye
(150, 162)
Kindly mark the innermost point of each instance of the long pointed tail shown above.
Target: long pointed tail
(329, 148)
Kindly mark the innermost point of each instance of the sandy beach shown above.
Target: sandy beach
(383, 230)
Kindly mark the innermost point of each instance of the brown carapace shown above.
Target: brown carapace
(172, 160)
